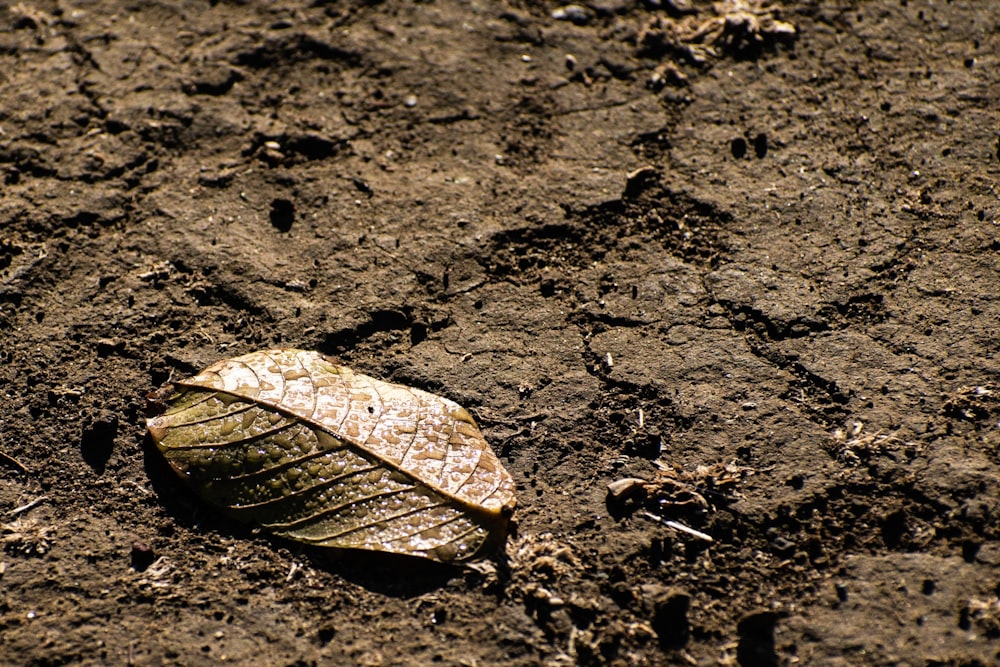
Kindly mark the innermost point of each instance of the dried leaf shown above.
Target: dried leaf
(314, 452)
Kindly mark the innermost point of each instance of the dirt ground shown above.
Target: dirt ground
(748, 254)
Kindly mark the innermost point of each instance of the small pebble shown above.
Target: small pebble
(577, 14)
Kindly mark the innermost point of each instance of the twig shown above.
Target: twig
(679, 527)
(24, 508)
(14, 463)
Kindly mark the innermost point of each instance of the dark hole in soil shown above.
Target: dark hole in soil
(893, 528)
(756, 643)
(142, 556)
(738, 148)
(98, 440)
(282, 214)
(760, 145)
(670, 619)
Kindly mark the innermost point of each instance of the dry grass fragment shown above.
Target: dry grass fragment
(738, 27)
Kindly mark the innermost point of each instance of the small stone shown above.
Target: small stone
(211, 80)
(362, 186)
(989, 554)
(271, 152)
(576, 14)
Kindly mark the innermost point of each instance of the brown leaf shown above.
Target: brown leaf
(314, 452)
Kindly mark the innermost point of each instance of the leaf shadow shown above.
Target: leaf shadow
(393, 575)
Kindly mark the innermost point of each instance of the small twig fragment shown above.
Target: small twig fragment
(14, 463)
(679, 527)
(24, 508)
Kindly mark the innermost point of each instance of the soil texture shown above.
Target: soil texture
(738, 260)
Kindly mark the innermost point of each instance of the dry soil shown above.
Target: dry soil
(747, 254)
